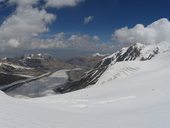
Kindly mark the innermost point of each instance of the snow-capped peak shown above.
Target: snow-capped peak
(136, 51)
(36, 56)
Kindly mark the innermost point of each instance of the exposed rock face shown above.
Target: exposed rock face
(135, 52)
(9, 78)
(6, 68)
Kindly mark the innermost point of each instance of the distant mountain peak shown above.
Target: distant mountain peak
(136, 51)
(37, 56)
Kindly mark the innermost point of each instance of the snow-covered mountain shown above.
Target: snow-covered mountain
(128, 94)
(135, 52)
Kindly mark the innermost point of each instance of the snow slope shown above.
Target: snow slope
(128, 95)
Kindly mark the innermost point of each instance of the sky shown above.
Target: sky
(110, 15)
(82, 24)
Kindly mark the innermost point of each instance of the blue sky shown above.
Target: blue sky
(109, 15)
(68, 18)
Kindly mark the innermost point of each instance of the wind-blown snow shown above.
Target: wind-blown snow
(139, 97)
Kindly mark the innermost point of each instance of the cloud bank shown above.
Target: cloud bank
(156, 32)
(23, 28)
(75, 41)
(28, 22)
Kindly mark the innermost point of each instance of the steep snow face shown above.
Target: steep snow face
(119, 70)
(125, 69)
(136, 98)
(135, 52)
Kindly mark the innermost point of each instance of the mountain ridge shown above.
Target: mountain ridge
(136, 51)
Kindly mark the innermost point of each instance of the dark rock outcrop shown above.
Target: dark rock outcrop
(9, 78)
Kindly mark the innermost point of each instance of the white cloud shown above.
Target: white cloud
(62, 3)
(13, 43)
(23, 2)
(96, 38)
(24, 26)
(57, 41)
(88, 19)
(156, 32)
(72, 41)
(75, 41)
(26, 23)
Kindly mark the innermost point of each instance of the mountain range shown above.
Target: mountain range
(129, 88)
